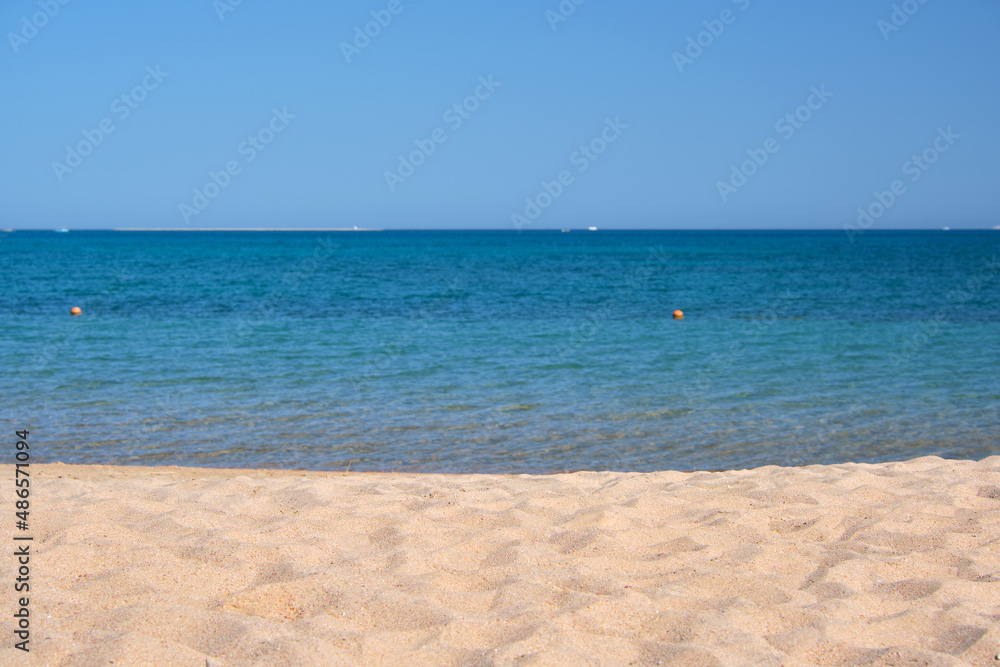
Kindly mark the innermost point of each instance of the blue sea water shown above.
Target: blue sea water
(501, 351)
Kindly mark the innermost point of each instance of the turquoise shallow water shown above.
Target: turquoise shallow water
(500, 351)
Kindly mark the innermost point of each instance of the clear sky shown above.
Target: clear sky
(311, 119)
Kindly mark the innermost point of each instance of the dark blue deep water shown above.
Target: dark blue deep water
(500, 351)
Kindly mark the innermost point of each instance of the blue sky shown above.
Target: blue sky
(679, 127)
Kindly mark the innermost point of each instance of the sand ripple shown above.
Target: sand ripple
(892, 564)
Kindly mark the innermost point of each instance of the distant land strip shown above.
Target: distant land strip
(245, 229)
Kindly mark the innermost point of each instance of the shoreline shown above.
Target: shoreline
(826, 564)
(96, 469)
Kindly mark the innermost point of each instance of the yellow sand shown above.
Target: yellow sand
(892, 564)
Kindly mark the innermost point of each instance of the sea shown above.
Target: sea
(500, 351)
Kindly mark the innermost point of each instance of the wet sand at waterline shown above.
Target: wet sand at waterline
(886, 564)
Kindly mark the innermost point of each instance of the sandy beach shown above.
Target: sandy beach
(889, 564)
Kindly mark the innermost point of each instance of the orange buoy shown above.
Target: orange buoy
(678, 315)
(75, 310)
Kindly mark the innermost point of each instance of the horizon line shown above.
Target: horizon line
(493, 229)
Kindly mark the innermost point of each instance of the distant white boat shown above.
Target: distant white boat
(8, 231)
(996, 226)
(593, 229)
(946, 229)
(62, 230)
(565, 230)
